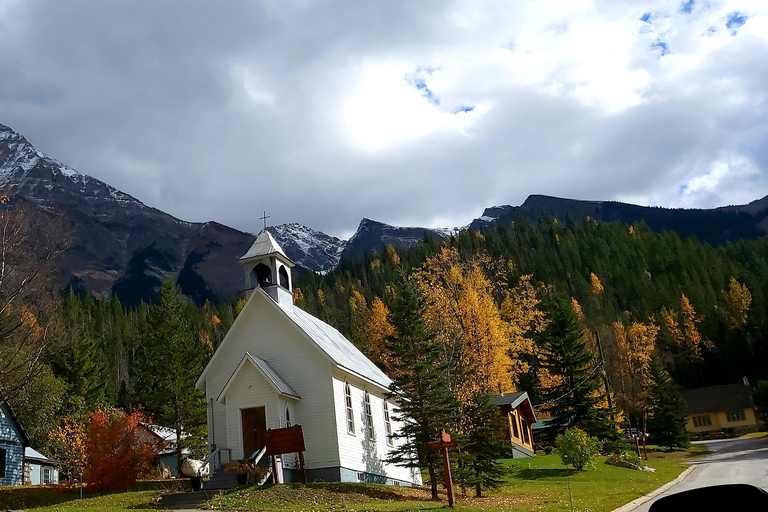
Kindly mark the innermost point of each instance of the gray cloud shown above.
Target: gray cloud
(220, 110)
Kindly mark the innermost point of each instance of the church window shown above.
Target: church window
(350, 412)
(287, 416)
(283, 277)
(368, 416)
(388, 423)
(263, 274)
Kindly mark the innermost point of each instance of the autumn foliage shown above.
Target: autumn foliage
(107, 448)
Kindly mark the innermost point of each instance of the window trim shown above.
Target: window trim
(349, 408)
(388, 424)
(735, 416)
(701, 421)
(288, 423)
(369, 430)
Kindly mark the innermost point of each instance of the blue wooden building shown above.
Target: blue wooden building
(13, 440)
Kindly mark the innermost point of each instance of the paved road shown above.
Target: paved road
(730, 461)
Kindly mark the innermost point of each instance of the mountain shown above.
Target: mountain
(307, 247)
(120, 244)
(372, 236)
(715, 226)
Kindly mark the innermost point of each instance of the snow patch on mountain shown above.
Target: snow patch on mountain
(19, 158)
(309, 247)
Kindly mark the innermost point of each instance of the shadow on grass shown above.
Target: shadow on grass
(33, 497)
(539, 474)
(375, 491)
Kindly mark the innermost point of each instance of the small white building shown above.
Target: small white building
(39, 469)
(280, 366)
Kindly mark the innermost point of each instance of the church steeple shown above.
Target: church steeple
(266, 266)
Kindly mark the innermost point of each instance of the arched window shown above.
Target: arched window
(350, 412)
(388, 423)
(288, 416)
(368, 416)
(283, 277)
(263, 274)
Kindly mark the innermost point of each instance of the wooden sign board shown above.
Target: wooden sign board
(439, 445)
(284, 440)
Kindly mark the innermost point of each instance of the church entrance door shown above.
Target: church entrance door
(254, 425)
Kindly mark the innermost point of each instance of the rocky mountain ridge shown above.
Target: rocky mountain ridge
(122, 246)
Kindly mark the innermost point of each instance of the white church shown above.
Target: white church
(279, 366)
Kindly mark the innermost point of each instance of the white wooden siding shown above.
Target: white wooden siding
(357, 452)
(266, 333)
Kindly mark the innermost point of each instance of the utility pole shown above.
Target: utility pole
(605, 375)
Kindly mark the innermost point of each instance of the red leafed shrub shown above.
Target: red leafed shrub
(115, 453)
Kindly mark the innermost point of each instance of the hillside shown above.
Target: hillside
(715, 226)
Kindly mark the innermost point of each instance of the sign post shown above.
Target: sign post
(285, 440)
(443, 445)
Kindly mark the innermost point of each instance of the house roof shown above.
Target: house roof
(19, 427)
(167, 434)
(269, 373)
(511, 399)
(730, 397)
(515, 400)
(264, 245)
(35, 456)
(337, 347)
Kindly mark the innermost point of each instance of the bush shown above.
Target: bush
(624, 459)
(576, 448)
(255, 473)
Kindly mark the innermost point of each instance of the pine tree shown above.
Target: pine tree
(420, 386)
(482, 444)
(667, 421)
(573, 399)
(168, 362)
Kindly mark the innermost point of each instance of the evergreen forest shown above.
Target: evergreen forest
(621, 312)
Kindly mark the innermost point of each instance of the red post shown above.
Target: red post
(448, 479)
(303, 467)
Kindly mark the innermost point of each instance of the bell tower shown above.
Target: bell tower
(266, 266)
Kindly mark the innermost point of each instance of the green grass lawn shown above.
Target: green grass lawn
(51, 499)
(537, 483)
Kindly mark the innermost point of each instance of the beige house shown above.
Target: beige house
(716, 409)
(518, 411)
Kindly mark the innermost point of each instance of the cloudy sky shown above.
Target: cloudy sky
(412, 113)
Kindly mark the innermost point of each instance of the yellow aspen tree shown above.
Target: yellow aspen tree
(634, 348)
(738, 299)
(393, 256)
(464, 317)
(691, 336)
(597, 286)
(577, 309)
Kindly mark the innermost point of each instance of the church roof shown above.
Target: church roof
(328, 340)
(336, 346)
(271, 375)
(264, 245)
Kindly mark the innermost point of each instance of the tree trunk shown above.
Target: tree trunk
(478, 489)
(433, 481)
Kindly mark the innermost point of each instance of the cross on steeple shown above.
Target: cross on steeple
(264, 218)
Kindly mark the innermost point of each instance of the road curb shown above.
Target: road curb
(642, 499)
